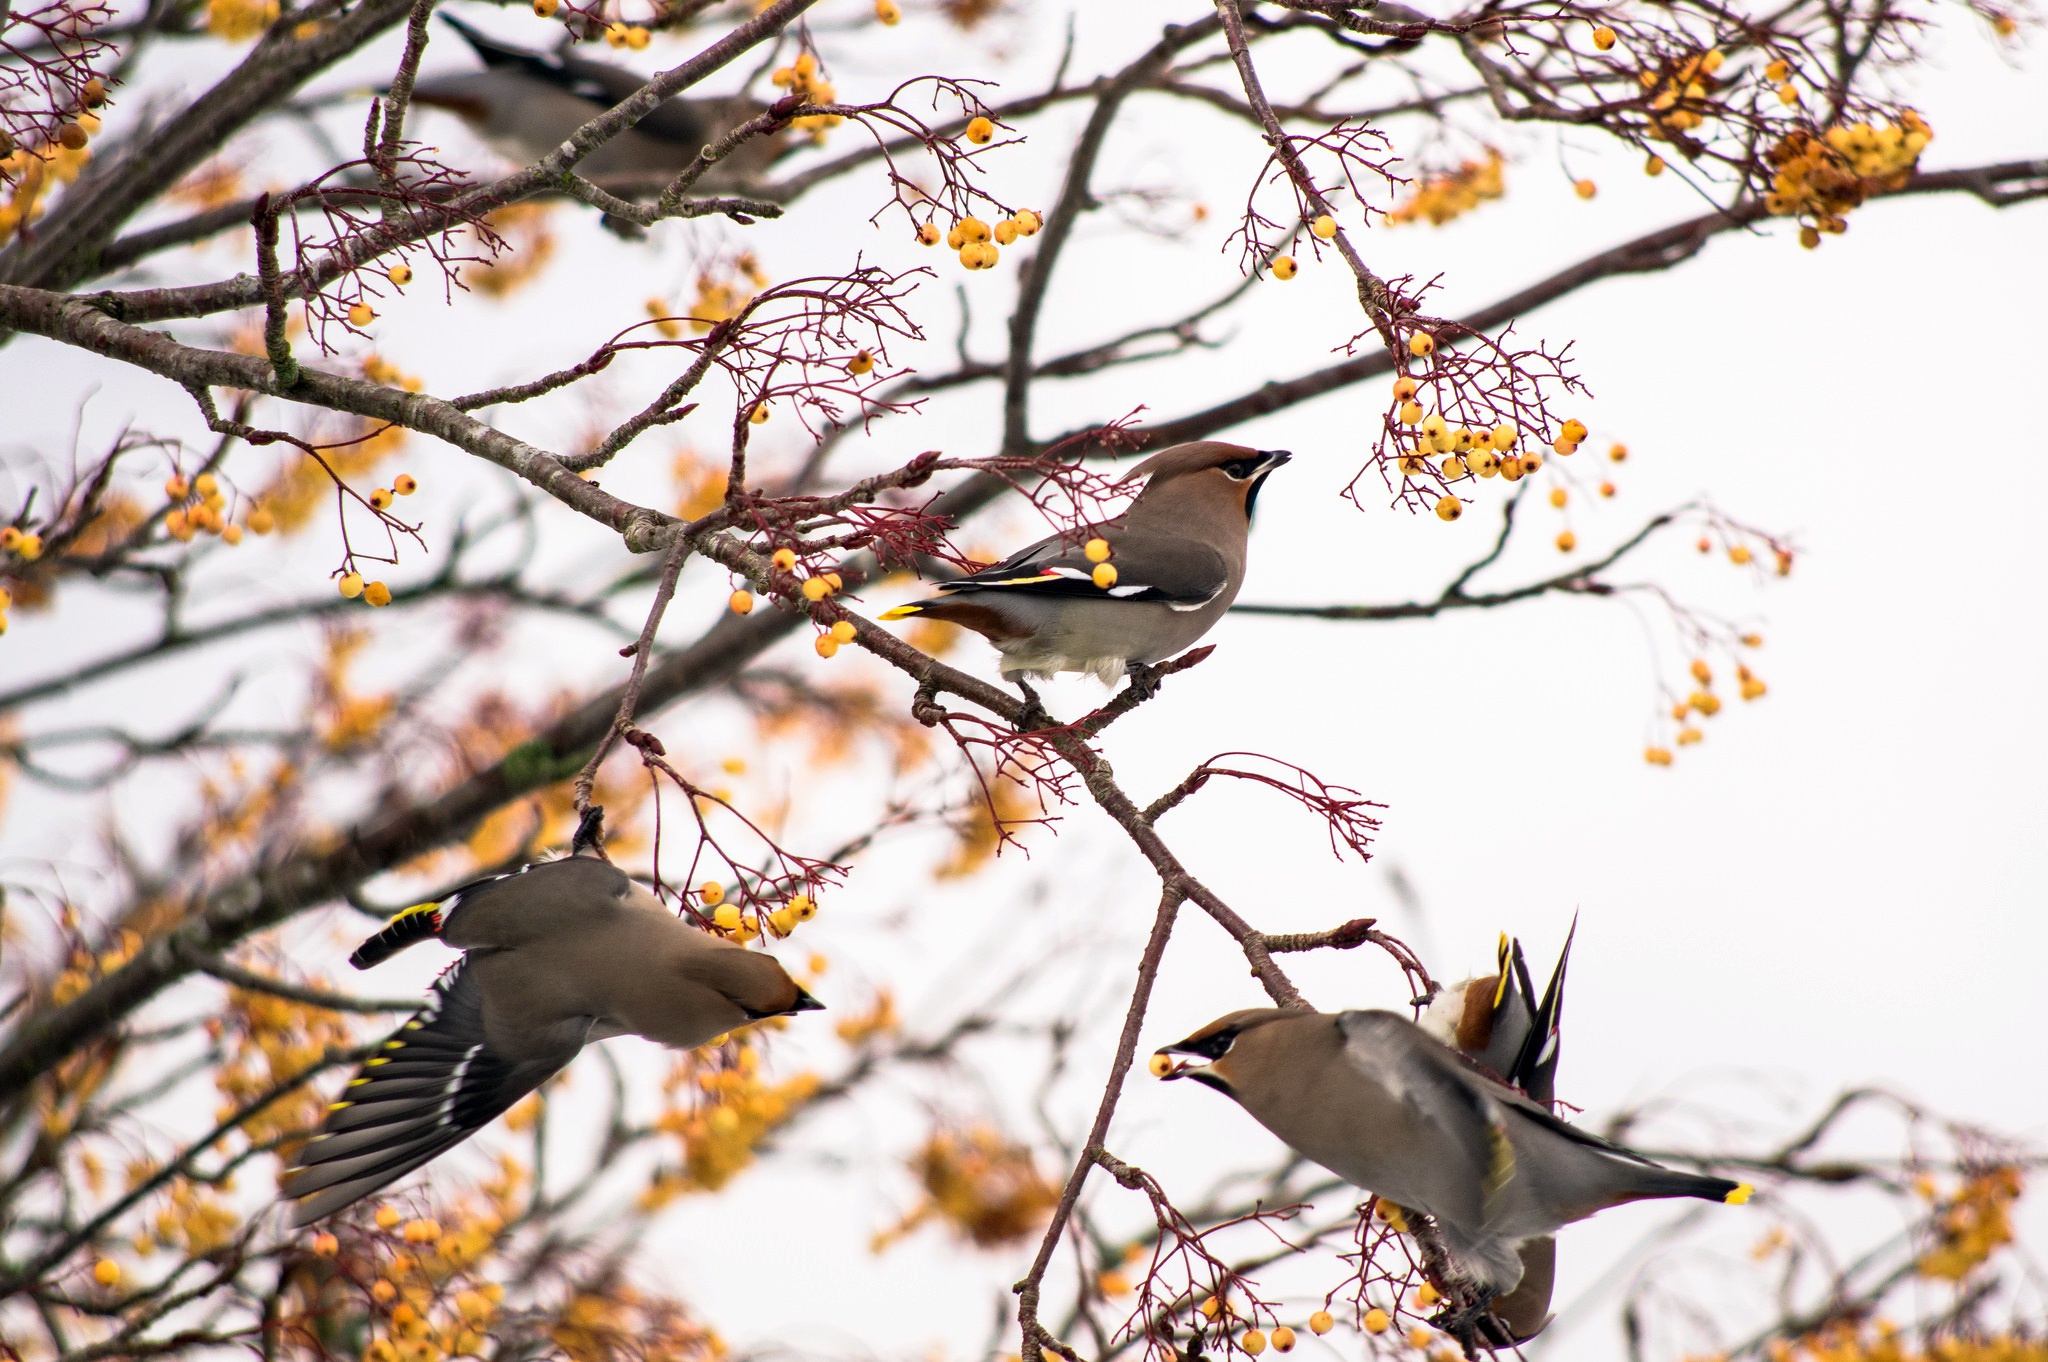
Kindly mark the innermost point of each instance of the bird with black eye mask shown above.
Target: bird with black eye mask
(1378, 1101)
(1119, 596)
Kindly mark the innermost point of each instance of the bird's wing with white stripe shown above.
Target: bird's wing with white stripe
(1149, 567)
(432, 1085)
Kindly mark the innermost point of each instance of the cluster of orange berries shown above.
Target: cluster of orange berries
(1820, 178)
(1704, 704)
(61, 159)
(976, 242)
(633, 37)
(1442, 198)
(1253, 1341)
(1973, 1224)
(1676, 97)
(237, 21)
(1467, 451)
(740, 1110)
(198, 506)
(731, 919)
(801, 78)
(986, 1187)
(1742, 555)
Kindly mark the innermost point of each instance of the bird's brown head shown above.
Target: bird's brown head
(1212, 467)
(1211, 1047)
(760, 987)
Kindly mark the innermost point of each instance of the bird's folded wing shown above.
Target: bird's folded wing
(1149, 567)
(532, 906)
(1476, 1157)
(430, 1086)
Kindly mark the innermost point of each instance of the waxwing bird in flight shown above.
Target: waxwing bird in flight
(1375, 1099)
(1126, 593)
(555, 956)
(524, 104)
(1498, 1020)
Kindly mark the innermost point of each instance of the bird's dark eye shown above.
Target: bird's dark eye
(1240, 469)
(1212, 1047)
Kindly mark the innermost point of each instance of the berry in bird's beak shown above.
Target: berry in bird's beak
(1165, 1065)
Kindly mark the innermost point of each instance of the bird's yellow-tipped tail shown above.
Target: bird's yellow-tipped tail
(901, 612)
(1741, 1195)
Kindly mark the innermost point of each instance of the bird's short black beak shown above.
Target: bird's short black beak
(806, 1003)
(1274, 458)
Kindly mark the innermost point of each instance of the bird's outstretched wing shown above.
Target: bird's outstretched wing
(432, 1085)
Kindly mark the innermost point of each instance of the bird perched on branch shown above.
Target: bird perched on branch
(1123, 594)
(1498, 1021)
(555, 956)
(525, 104)
(1379, 1102)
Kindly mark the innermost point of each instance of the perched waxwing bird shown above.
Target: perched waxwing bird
(556, 956)
(1174, 562)
(1381, 1103)
(524, 104)
(1498, 1020)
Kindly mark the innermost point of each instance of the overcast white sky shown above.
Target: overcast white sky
(1842, 885)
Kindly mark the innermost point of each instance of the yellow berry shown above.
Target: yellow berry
(887, 13)
(1321, 1323)
(546, 8)
(1701, 672)
(1513, 467)
(1557, 496)
(615, 34)
(726, 917)
(1449, 508)
(399, 275)
(712, 892)
(1421, 344)
(1585, 189)
(980, 130)
(1573, 430)
(833, 580)
(377, 594)
(1503, 437)
(784, 559)
(231, 535)
(1104, 575)
(261, 521)
(176, 488)
(1485, 463)
(816, 588)
(843, 630)
(1426, 1296)
(1027, 222)
(1453, 468)
(1618, 453)
(1096, 550)
(1788, 93)
(325, 1245)
(1739, 554)
(1253, 1341)
(93, 93)
(1324, 227)
(352, 587)
(1284, 267)
(206, 485)
(1688, 736)
(380, 498)
(1211, 1308)
(1809, 237)
(1418, 1337)
(1752, 688)
(1006, 231)
(742, 602)
(861, 363)
(1706, 702)
(803, 909)
(1567, 541)
(826, 645)
(106, 1272)
(928, 234)
(759, 415)
(1654, 166)
(1161, 1065)
(1404, 388)
(1603, 37)
(1410, 413)
(974, 229)
(360, 314)
(1606, 489)
(1283, 1339)
(387, 1218)
(806, 65)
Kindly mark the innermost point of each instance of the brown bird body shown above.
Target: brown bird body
(1178, 559)
(561, 954)
(1386, 1107)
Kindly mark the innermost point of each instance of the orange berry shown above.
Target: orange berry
(980, 130)
(784, 559)
(1585, 189)
(1421, 344)
(1603, 37)
(1567, 541)
(1284, 267)
(1606, 489)
(741, 602)
(360, 314)
(826, 645)
(377, 594)
(1377, 1321)
(405, 484)
(399, 275)
(1657, 756)
(1449, 508)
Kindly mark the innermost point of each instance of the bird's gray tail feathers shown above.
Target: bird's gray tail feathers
(1652, 1182)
